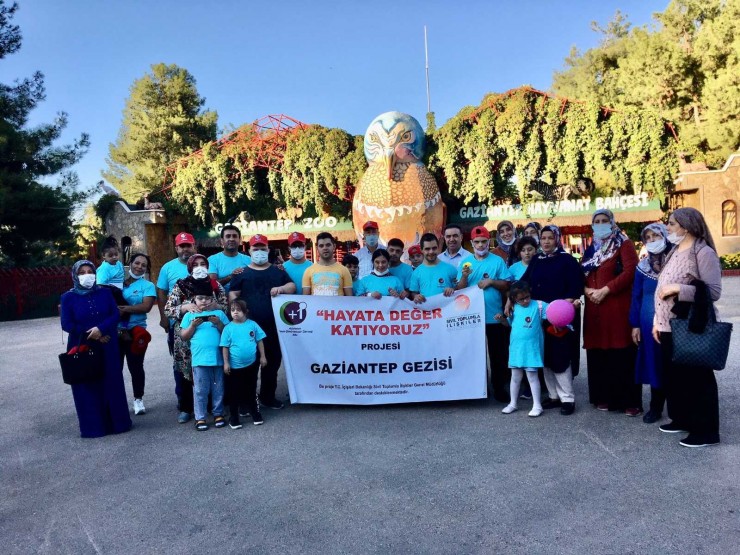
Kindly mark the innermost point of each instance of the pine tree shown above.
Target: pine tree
(36, 218)
(163, 121)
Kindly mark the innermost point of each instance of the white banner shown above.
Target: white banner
(363, 351)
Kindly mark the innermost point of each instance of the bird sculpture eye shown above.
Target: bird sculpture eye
(406, 136)
(374, 137)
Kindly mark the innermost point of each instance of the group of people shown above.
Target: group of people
(218, 361)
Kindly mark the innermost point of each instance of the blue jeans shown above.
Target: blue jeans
(208, 379)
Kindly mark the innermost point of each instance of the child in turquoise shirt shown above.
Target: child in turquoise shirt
(203, 330)
(241, 340)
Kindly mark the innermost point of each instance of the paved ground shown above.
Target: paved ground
(435, 478)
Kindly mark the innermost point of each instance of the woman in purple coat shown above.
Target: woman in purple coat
(90, 312)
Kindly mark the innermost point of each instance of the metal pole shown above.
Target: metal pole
(426, 56)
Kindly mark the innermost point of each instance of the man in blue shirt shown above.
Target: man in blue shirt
(223, 266)
(297, 263)
(433, 276)
(490, 273)
(454, 254)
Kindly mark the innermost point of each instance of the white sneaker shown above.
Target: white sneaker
(536, 411)
(139, 407)
(508, 409)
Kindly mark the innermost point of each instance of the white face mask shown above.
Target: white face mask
(134, 276)
(484, 250)
(200, 272)
(298, 252)
(655, 247)
(507, 243)
(675, 238)
(86, 280)
(259, 257)
(377, 273)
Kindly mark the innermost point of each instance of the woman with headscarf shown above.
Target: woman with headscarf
(554, 274)
(609, 265)
(90, 315)
(691, 391)
(642, 311)
(505, 239)
(180, 302)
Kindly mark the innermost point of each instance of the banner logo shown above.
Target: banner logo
(293, 313)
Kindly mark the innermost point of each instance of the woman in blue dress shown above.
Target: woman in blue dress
(90, 312)
(648, 368)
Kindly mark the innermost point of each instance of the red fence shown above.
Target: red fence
(32, 292)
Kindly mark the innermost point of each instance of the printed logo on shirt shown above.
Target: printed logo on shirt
(485, 276)
(251, 334)
(441, 280)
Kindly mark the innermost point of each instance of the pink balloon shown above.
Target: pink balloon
(560, 313)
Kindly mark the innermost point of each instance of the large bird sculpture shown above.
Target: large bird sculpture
(396, 190)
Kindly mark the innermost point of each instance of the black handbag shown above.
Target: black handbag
(85, 366)
(701, 340)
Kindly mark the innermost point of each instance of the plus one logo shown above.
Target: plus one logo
(293, 313)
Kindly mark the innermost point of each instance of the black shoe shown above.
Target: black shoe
(234, 423)
(273, 404)
(568, 409)
(672, 428)
(652, 416)
(550, 403)
(697, 440)
(257, 418)
(243, 411)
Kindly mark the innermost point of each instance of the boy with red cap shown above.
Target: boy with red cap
(257, 284)
(297, 264)
(415, 256)
(371, 237)
(490, 273)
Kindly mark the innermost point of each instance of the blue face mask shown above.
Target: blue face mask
(601, 231)
(259, 257)
(371, 241)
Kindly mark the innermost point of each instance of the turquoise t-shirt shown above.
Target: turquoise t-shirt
(242, 339)
(135, 294)
(204, 345)
(433, 280)
(223, 265)
(356, 287)
(517, 270)
(404, 273)
(371, 283)
(296, 271)
(170, 273)
(527, 343)
(491, 267)
(109, 274)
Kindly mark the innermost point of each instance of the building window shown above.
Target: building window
(126, 248)
(729, 218)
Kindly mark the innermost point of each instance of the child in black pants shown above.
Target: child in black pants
(241, 340)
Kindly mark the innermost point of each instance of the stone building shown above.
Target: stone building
(716, 194)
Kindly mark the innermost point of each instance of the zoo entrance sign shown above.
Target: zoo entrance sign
(570, 207)
(304, 225)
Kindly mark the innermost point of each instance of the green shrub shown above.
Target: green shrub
(730, 261)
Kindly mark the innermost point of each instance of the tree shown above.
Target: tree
(686, 68)
(163, 121)
(36, 218)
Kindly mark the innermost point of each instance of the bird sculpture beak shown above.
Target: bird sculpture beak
(388, 161)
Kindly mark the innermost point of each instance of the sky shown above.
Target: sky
(338, 64)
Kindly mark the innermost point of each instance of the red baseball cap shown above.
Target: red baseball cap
(370, 225)
(296, 237)
(258, 239)
(480, 231)
(184, 239)
(414, 249)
